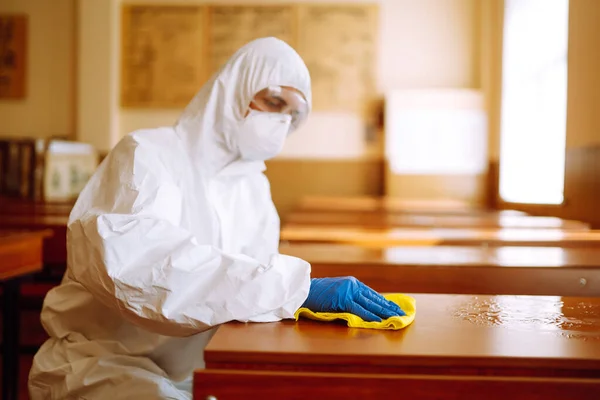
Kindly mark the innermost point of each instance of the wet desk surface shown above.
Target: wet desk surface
(385, 220)
(381, 238)
(498, 335)
(459, 270)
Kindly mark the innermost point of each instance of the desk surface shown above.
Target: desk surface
(459, 270)
(381, 238)
(484, 335)
(21, 252)
(388, 220)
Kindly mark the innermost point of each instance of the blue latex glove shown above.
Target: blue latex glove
(348, 294)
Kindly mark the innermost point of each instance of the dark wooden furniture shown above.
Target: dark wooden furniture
(460, 270)
(20, 254)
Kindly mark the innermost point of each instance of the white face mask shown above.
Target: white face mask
(262, 135)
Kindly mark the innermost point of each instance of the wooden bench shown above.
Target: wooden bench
(394, 205)
(391, 220)
(458, 347)
(459, 270)
(381, 238)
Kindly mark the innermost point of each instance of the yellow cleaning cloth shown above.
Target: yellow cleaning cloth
(406, 303)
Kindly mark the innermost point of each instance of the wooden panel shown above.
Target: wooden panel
(224, 385)
(292, 180)
(471, 189)
(13, 56)
(20, 252)
(508, 336)
(387, 220)
(232, 26)
(381, 238)
(338, 42)
(460, 270)
(163, 55)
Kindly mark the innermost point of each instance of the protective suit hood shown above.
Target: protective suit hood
(210, 123)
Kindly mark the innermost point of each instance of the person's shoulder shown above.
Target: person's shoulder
(150, 146)
(152, 140)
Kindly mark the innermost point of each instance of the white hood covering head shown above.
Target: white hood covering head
(210, 123)
(172, 236)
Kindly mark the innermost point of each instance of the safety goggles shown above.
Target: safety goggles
(282, 100)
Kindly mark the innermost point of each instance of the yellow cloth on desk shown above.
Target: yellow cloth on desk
(406, 303)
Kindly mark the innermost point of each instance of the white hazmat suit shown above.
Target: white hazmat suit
(174, 234)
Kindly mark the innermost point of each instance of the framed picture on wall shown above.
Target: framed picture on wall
(13, 56)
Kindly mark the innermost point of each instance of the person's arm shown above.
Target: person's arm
(266, 242)
(126, 248)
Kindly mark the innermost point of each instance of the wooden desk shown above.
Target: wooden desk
(460, 270)
(20, 254)
(55, 247)
(393, 205)
(459, 347)
(390, 220)
(381, 238)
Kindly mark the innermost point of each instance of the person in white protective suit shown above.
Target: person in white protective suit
(175, 234)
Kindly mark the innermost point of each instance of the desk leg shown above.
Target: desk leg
(10, 340)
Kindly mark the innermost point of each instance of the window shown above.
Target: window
(534, 101)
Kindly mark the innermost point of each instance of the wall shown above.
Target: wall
(583, 108)
(48, 108)
(582, 169)
(582, 174)
(429, 43)
(434, 44)
(424, 44)
(97, 85)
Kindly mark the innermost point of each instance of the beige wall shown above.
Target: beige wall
(97, 90)
(429, 44)
(583, 107)
(48, 108)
